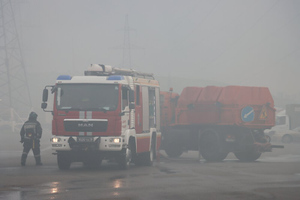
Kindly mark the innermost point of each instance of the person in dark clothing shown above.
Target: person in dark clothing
(31, 134)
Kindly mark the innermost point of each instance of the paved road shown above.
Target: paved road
(275, 175)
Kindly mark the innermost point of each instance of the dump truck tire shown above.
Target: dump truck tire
(247, 156)
(210, 146)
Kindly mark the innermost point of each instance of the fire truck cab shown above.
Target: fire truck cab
(109, 113)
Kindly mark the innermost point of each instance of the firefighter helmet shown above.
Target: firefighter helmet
(33, 115)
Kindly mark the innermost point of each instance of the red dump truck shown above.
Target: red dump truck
(217, 120)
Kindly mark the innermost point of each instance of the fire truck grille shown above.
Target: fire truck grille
(85, 126)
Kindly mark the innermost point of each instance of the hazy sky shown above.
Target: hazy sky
(238, 42)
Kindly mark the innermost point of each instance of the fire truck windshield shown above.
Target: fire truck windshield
(103, 97)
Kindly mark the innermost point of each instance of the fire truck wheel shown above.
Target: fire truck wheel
(210, 147)
(147, 158)
(63, 161)
(125, 158)
(247, 156)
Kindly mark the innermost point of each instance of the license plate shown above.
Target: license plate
(85, 139)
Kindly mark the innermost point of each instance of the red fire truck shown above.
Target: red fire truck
(109, 113)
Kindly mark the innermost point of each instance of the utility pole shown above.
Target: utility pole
(14, 90)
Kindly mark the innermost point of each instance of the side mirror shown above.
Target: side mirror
(131, 96)
(121, 113)
(44, 105)
(131, 106)
(45, 95)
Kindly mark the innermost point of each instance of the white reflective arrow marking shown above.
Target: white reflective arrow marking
(246, 115)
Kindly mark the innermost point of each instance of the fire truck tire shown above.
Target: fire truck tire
(210, 146)
(125, 158)
(63, 161)
(147, 158)
(247, 156)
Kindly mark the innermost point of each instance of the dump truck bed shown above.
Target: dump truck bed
(251, 107)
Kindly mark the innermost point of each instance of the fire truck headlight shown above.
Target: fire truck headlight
(115, 140)
(55, 140)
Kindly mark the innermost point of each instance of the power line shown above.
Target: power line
(282, 58)
(201, 21)
(179, 20)
(242, 35)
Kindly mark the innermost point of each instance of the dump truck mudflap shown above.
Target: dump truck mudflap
(265, 147)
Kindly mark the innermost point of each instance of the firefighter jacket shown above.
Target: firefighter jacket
(31, 130)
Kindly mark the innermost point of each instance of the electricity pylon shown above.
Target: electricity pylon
(127, 45)
(15, 101)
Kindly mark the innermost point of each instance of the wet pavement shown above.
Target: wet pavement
(276, 175)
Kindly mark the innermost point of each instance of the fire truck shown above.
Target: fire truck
(109, 113)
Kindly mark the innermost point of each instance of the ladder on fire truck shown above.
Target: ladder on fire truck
(106, 70)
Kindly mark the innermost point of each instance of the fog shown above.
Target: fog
(214, 42)
(183, 43)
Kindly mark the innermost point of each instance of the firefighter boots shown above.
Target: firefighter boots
(38, 160)
(23, 159)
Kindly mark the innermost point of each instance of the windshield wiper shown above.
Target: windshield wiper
(66, 108)
(104, 109)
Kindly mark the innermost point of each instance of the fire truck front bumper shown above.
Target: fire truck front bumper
(69, 143)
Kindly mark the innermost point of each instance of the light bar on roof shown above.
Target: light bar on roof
(64, 77)
(115, 78)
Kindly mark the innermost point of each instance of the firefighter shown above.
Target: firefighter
(31, 134)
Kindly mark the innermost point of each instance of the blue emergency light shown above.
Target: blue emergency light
(64, 77)
(115, 78)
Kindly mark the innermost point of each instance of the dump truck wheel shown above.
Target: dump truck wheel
(210, 146)
(173, 150)
(223, 155)
(247, 156)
